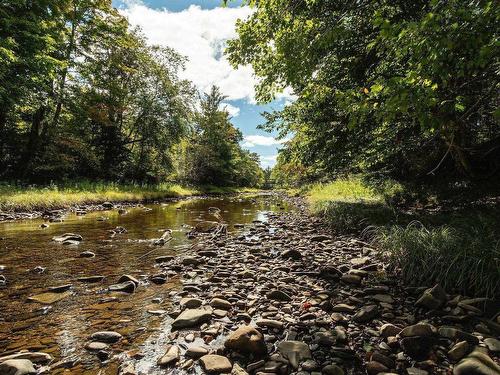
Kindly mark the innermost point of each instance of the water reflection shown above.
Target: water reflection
(62, 328)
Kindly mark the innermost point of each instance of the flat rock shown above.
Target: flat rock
(366, 314)
(278, 295)
(215, 364)
(106, 336)
(49, 297)
(191, 318)
(171, 356)
(126, 287)
(17, 367)
(295, 352)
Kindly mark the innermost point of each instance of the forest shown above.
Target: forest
(347, 223)
(84, 96)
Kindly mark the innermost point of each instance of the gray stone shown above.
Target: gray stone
(17, 367)
(366, 314)
(476, 363)
(171, 356)
(191, 318)
(215, 364)
(295, 352)
(432, 298)
(106, 336)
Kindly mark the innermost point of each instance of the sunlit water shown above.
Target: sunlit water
(62, 328)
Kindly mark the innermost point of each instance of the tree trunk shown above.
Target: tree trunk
(3, 125)
(33, 141)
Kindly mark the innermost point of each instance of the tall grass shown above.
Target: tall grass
(459, 248)
(465, 260)
(27, 198)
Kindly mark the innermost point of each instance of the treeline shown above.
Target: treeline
(407, 89)
(82, 95)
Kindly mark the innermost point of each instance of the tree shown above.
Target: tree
(391, 86)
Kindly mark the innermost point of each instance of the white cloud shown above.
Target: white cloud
(268, 161)
(231, 109)
(261, 140)
(199, 34)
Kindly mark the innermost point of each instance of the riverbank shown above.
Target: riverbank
(454, 242)
(279, 296)
(15, 198)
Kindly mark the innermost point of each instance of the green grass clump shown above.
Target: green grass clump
(465, 259)
(351, 204)
(28, 198)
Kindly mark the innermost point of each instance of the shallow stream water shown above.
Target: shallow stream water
(62, 328)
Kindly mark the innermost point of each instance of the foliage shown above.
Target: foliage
(83, 95)
(397, 87)
(211, 154)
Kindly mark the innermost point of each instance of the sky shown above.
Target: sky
(199, 29)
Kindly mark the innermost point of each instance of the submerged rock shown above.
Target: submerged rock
(106, 336)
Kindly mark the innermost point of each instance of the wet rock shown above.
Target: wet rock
(458, 351)
(319, 238)
(49, 297)
(126, 278)
(96, 346)
(60, 288)
(171, 356)
(291, 254)
(455, 334)
(44, 225)
(493, 344)
(374, 367)
(295, 352)
(351, 279)
(215, 364)
(107, 205)
(421, 329)
(164, 259)
(126, 287)
(35, 357)
(432, 298)
(191, 318)
(17, 367)
(343, 308)
(109, 337)
(246, 340)
(196, 352)
(366, 314)
(191, 303)
(326, 338)
(90, 279)
(417, 347)
(270, 323)
(87, 254)
(330, 273)
(68, 237)
(219, 303)
(389, 329)
(332, 370)
(476, 363)
(103, 355)
(238, 370)
(278, 295)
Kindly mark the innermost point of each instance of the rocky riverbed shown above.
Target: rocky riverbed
(284, 296)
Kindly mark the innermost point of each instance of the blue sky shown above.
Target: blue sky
(198, 29)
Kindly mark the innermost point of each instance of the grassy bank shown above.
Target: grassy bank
(23, 198)
(455, 245)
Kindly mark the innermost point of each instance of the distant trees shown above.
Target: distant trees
(82, 95)
(405, 88)
(211, 154)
